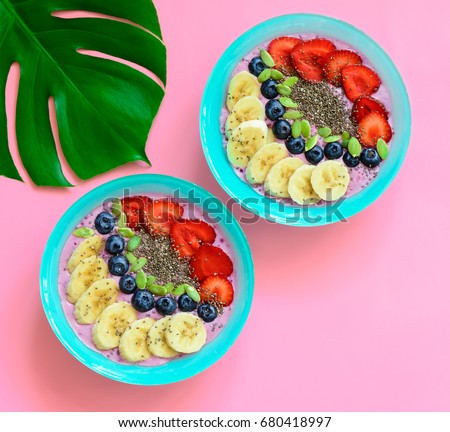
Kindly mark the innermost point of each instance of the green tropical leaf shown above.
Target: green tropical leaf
(104, 108)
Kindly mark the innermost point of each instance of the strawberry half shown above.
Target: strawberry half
(372, 127)
(280, 49)
(336, 61)
(216, 289)
(160, 215)
(308, 58)
(188, 235)
(210, 261)
(365, 105)
(134, 209)
(359, 81)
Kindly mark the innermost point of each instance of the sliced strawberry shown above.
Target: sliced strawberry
(188, 235)
(210, 261)
(336, 61)
(280, 49)
(134, 209)
(372, 127)
(365, 105)
(308, 58)
(216, 290)
(359, 81)
(160, 215)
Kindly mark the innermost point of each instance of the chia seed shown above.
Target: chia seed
(323, 106)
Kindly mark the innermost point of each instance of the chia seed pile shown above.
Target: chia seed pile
(163, 262)
(323, 106)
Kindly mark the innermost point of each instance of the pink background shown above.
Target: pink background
(353, 316)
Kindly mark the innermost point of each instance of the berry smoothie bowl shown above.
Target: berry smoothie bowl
(305, 120)
(147, 279)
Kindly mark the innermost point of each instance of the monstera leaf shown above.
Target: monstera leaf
(104, 108)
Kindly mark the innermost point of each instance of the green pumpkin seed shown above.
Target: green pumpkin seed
(116, 207)
(332, 138)
(382, 148)
(345, 136)
(284, 90)
(345, 143)
(276, 75)
(292, 115)
(133, 243)
(83, 232)
(266, 58)
(150, 280)
(305, 129)
(122, 221)
(288, 102)
(126, 232)
(157, 290)
(296, 129)
(354, 147)
(311, 143)
(179, 290)
(192, 293)
(291, 81)
(324, 132)
(141, 279)
(169, 287)
(140, 262)
(130, 257)
(264, 75)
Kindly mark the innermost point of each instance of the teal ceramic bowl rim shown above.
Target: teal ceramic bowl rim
(214, 97)
(177, 369)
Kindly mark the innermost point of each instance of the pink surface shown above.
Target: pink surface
(363, 305)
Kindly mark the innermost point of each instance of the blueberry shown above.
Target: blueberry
(104, 222)
(269, 89)
(127, 284)
(143, 301)
(186, 304)
(315, 155)
(207, 312)
(115, 245)
(118, 265)
(350, 161)
(281, 129)
(370, 157)
(274, 109)
(166, 305)
(333, 150)
(256, 66)
(295, 145)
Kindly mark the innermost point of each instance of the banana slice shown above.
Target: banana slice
(111, 325)
(241, 85)
(156, 340)
(270, 136)
(133, 343)
(277, 180)
(299, 187)
(186, 333)
(263, 160)
(247, 108)
(85, 274)
(330, 180)
(90, 246)
(245, 141)
(95, 299)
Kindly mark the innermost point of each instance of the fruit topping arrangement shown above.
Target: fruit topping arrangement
(148, 281)
(303, 117)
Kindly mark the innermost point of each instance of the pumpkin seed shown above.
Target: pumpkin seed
(122, 221)
(292, 115)
(311, 143)
(130, 257)
(116, 207)
(169, 287)
(284, 90)
(264, 75)
(345, 136)
(288, 102)
(276, 75)
(141, 279)
(291, 81)
(83, 232)
(382, 148)
(324, 132)
(126, 232)
(179, 290)
(150, 280)
(296, 129)
(140, 262)
(305, 129)
(192, 293)
(332, 138)
(157, 290)
(133, 243)
(354, 147)
(266, 58)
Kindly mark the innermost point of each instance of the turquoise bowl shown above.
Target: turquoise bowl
(174, 370)
(214, 99)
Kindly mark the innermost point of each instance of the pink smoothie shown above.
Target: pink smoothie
(84, 331)
(360, 176)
